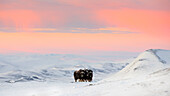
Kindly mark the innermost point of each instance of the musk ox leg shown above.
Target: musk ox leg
(76, 76)
(90, 80)
(81, 80)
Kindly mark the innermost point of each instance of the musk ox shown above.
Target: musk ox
(88, 75)
(83, 75)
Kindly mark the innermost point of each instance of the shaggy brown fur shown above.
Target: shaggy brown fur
(85, 75)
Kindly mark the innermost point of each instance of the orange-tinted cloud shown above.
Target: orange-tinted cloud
(20, 19)
(23, 20)
(144, 21)
(113, 30)
(118, 4)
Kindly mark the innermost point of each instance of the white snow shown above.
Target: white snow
(146, 63)
(147, 75)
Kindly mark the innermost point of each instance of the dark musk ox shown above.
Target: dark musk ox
(79, 75)
(88, 75)
(83, 75)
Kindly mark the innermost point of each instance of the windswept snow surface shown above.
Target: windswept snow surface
(147, 75)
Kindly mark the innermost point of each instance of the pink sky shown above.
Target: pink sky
(77, 26)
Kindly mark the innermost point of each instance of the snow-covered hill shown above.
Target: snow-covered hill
(146, 63)
(147, 75)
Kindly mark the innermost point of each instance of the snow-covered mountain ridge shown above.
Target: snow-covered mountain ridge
(147, 75)
(147, 64)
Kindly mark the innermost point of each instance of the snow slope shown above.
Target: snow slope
(146, 63)
(147, 75)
